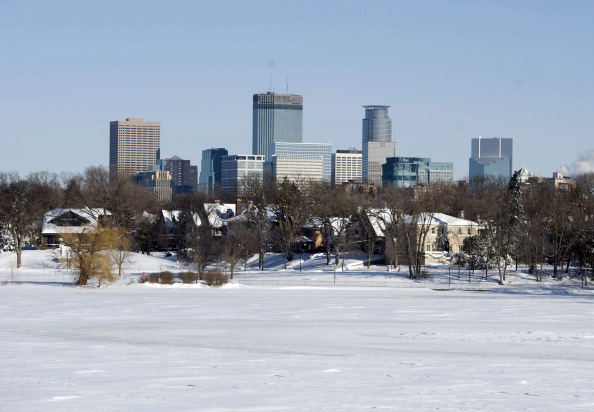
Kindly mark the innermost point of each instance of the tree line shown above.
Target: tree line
(528, 224)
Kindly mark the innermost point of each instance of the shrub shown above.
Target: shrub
(215, 278)
(154, 278)
(167, 278)
(188, 277)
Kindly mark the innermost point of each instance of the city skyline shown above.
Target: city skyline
(451, 71)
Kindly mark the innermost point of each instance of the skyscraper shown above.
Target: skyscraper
(491, 157)
(346, 166)
(210, 168)
(377, 142)
(276, 118)
(133, 146)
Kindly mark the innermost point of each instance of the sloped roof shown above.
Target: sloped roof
(90, 216)
(217, 214)
(379, 217)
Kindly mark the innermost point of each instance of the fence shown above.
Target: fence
(476, 286)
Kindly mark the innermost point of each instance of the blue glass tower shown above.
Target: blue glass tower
(210, 168)
(491, 157)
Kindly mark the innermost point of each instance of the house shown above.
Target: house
(59, 221)
(445, 233)
(169, 221)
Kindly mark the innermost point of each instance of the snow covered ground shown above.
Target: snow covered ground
(273, 347)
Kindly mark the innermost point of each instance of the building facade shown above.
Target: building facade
(236, 168)
(133, 146)
(276, 118)
(310, 153)
(296, 168)
(413, 171)
(377, 143)
(210, 168)
(347, 166)
(158, 182)
(491, 157)
(182, 172)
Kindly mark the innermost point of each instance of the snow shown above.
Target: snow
(142, 347)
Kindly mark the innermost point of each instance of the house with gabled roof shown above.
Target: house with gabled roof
(445, 233)
(216, 215)
(73, 220)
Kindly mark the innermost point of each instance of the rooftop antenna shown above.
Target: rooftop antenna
(287, 84)
(270, 83)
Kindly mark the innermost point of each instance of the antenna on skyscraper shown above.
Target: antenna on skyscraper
(270, 83)
(287, 84)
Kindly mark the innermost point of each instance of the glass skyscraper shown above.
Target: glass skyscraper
(377, 142)
(210, 168)
(491, 157)
(276, 118)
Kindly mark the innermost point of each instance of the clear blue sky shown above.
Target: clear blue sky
(450, 70)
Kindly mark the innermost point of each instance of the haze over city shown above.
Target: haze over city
(451, 71)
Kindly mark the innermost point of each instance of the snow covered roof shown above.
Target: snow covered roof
(443, 219)
(71, 220)
(379, 218)
(217, 213)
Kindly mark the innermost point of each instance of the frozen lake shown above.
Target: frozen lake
(145, 348)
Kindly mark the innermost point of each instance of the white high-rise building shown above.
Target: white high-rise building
(309, 153)
(236, 168)
(347, 166)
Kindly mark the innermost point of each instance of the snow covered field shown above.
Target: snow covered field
(141, 347)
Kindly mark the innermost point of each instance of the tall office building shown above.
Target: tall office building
(305, 151)
(183, 174)
(491, 157)
(236, 168)
(377, 143)
(276, 118)
(413, 171)
(210, 168)
(133, 146)
(346, 166)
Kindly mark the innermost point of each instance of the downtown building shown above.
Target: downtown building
(276, 118)
(210, 169)
(491, 157)
(376, 142)
(184, 176)
(347, 166)
(236, 169)
(133, 146)
(300, 161)
(416, 171)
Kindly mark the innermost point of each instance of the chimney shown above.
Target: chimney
(238, 207)
(461, 214)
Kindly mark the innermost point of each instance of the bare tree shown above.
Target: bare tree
(22, 205)
(121, 253)
(231, 253)
(255, 217)
(332, 210)
(290, 205)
